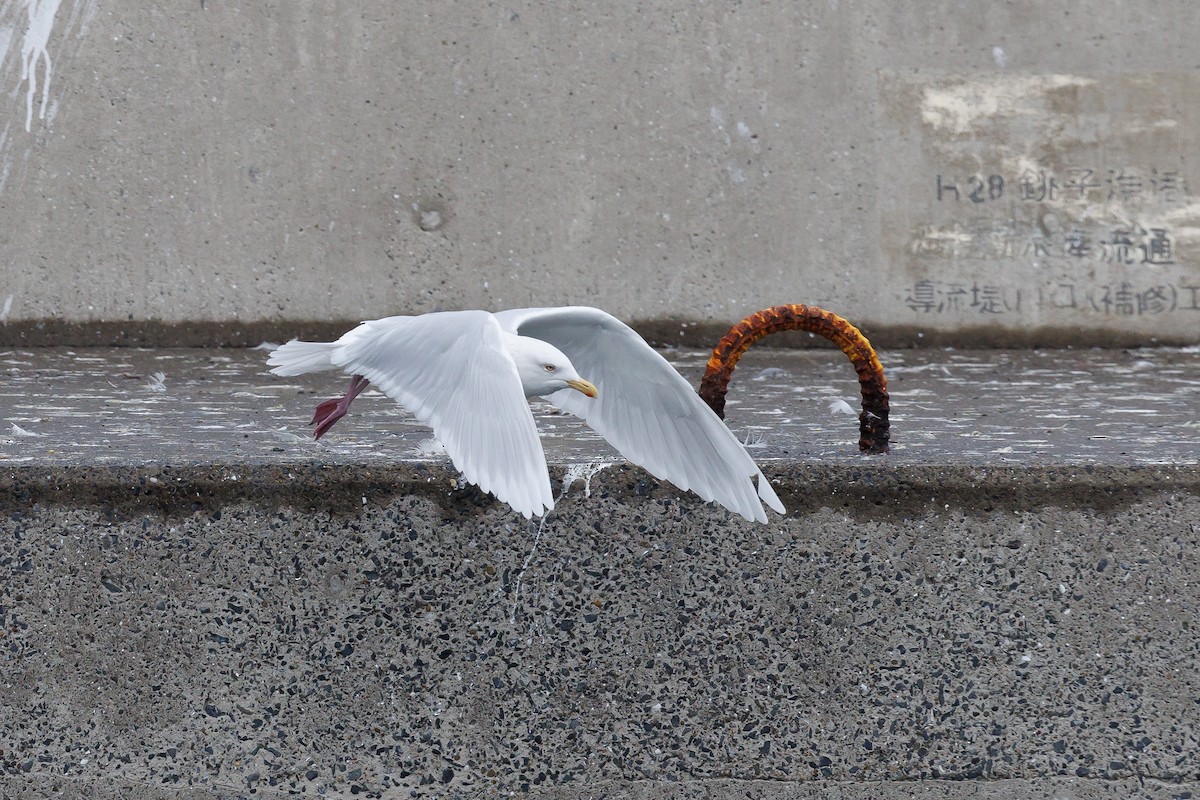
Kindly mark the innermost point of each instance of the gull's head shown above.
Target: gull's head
(544, 369)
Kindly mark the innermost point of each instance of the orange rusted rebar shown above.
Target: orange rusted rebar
(872, 422)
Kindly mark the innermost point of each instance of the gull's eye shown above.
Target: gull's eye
(550, 368)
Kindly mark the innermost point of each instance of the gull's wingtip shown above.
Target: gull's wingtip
(767, 492)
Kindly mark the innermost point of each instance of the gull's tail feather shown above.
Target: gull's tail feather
(297, 357)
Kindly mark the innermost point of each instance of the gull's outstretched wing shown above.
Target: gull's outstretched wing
(453, 372)
(645, 409)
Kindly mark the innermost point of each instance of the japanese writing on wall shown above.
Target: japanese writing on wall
(1037, 184)
(1122, 299)
(1128, 244)
(1047, 219)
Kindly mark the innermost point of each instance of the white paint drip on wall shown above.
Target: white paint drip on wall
(33, 49)
(5, 160)
(7, 309)
(33, 23)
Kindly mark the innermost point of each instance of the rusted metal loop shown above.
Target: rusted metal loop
(873, 425)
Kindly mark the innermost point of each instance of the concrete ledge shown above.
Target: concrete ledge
(661, 332)
(240, 631)
(865, 491)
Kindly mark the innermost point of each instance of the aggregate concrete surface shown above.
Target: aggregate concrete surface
(196, 600)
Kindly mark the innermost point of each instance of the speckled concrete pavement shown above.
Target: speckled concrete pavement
(197, 601)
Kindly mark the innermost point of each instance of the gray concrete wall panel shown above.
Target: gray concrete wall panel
(959, 169)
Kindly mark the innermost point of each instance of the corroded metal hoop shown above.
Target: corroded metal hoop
(873, 422)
